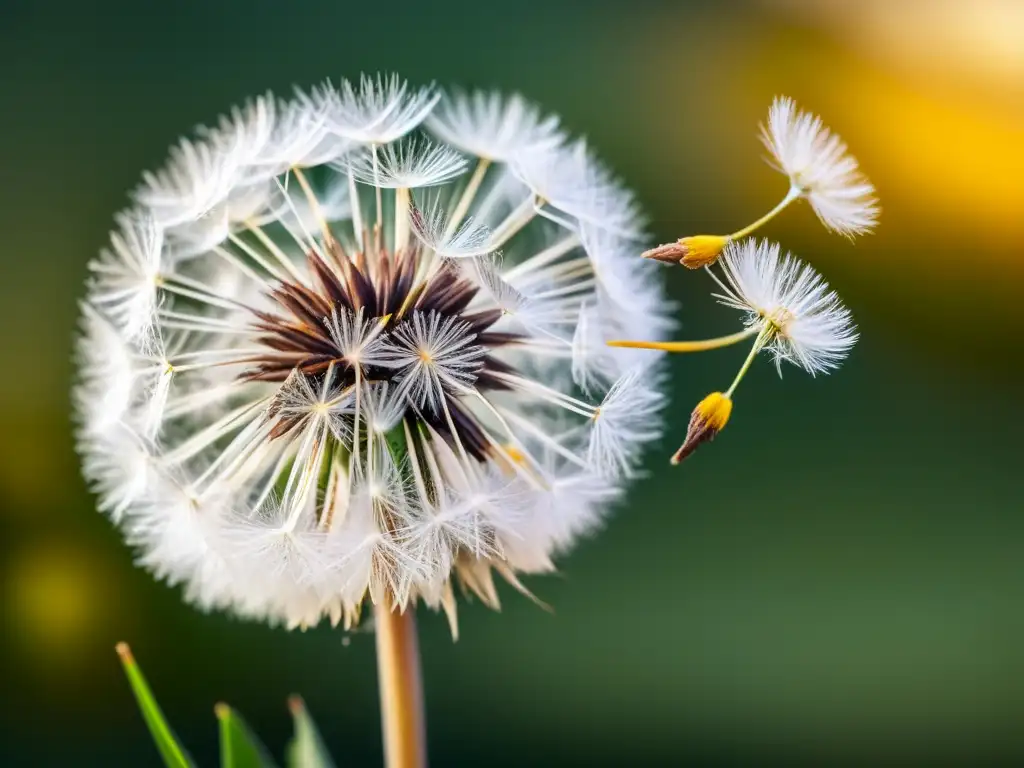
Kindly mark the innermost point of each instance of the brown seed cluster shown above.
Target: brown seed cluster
(298, 336)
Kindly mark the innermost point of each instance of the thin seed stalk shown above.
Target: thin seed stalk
(403, 720)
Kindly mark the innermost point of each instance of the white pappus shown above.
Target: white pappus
(331, 353)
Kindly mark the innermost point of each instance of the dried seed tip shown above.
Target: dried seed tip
(670, 253)
(124, 652)
(708, 419)
(701, 250)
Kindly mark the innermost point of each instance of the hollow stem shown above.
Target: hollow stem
(688, 346)
(403, 719)
(792, 195)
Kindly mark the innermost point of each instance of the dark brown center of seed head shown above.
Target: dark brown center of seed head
(297, 337)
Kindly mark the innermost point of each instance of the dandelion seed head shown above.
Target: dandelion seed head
(326, 360)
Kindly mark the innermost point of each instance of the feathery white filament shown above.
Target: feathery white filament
(378, 110)
(434, 229)
(572, 181)
(492, 126)
(820, 168)
(624, 422)
(433, 354)
(407, 163)
(125, 286)
(808, 324)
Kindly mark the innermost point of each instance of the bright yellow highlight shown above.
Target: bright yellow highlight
(55, 600)
(708, 419)
(714, 410)
(515, 454)
(702, 250)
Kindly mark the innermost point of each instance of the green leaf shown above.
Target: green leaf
(239, 748)
(170, 750)
(306, 749)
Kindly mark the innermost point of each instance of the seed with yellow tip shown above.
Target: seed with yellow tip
(708, 419)
(701, 250)
(670, 253)
(692, 252)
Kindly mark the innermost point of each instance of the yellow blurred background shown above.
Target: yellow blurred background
(838, 576)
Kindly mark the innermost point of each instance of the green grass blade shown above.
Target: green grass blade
(239, 747)
(170, 750)
(306, 749)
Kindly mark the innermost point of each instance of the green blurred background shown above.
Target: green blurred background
(838, 577)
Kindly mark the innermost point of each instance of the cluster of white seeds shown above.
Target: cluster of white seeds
(351, 345)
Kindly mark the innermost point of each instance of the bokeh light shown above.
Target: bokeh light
(57, 602)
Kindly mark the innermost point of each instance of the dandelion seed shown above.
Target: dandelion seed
(819, 169)
(492, 126)
(378, 110)
(434, 357)
(789, 311)
(802, 320)
(433, 228)
(579, 189)
(624, 421)
(127, 275)
(408, 163)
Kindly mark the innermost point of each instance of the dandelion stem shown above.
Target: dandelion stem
(689, 346)
(467, 197)
(376, 185)
(272, 247)
(403, 720)
(357, 214)
(307, 244)
(520, 216)
(403, 203)
(545, 257)
(792, 195)
(759, 343)
(314, 203)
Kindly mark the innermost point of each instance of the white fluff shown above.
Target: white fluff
(493, 126)
(433, 227)
(378, 110)
(125, 276)
(581, 189)
(626, 419)
(820, 169)
(433, 355)
(808, 324)
(444, 438)
(407, 163)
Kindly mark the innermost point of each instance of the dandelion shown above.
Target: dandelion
(819, 169)
(789, 311)
(309, 385)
